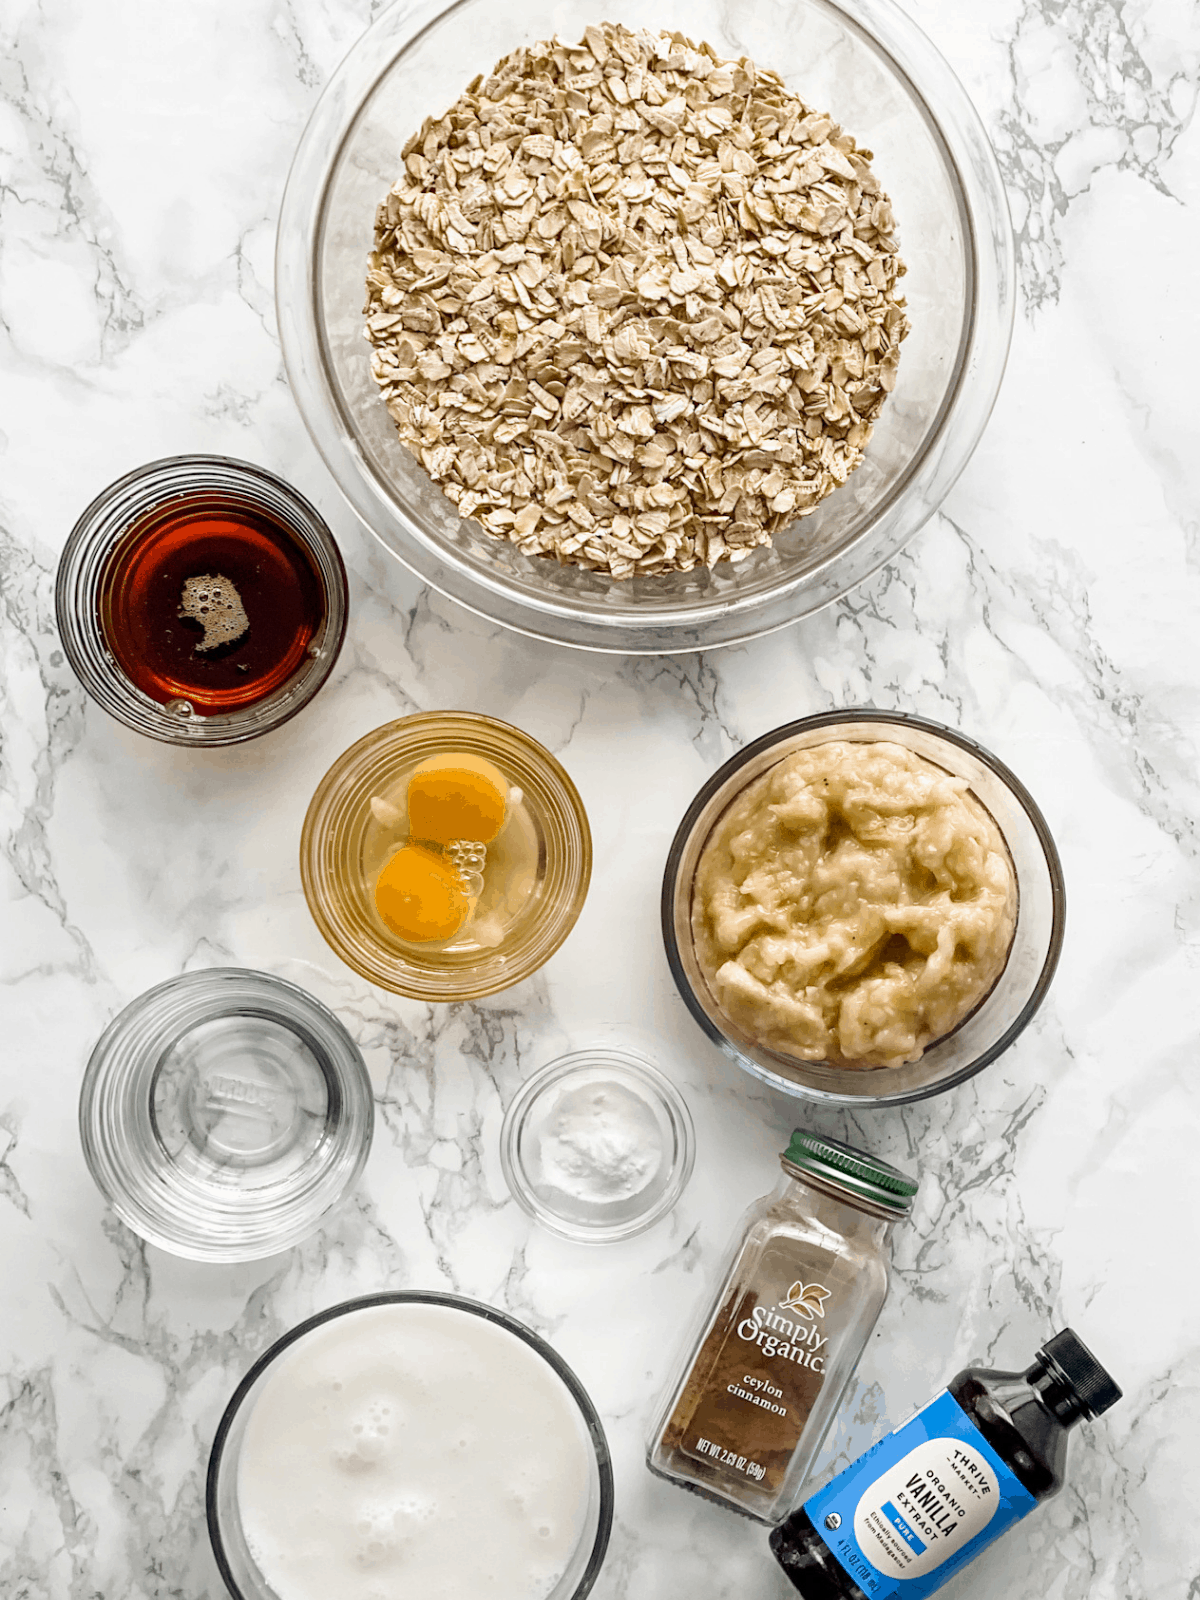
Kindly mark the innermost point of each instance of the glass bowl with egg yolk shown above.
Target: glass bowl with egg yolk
(445, 856)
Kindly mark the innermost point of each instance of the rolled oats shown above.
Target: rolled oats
(632, 306)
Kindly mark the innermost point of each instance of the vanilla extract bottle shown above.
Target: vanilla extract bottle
(924, 1501)
(750, 1402)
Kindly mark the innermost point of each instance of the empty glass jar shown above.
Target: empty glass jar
(224, 1113)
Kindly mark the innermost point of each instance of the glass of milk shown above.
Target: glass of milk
(410, 1443)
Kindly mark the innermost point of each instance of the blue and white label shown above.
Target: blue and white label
(920, 1504)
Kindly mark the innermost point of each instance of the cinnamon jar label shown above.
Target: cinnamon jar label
(760, 1371)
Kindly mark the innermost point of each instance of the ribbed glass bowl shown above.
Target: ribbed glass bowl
(875, 72)
(1009, 1005)
(224, 1113)
(340, 887)
(119, 516)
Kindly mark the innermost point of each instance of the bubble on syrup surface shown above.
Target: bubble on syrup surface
(214, 602)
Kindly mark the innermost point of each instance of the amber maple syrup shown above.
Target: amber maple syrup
(211, 603)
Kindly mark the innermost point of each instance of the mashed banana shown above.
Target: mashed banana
(853, 905)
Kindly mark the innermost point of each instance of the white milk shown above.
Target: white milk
(413, 1452)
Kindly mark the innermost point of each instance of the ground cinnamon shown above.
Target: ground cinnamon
(747, 1412)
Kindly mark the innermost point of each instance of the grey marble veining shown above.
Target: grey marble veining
(1051, 610)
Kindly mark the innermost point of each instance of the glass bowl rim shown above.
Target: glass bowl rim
(353, 1078)
(864, 715)
(665, 1093)
(587, 1408)
(342, 764)
(150, 719)
(982, 204)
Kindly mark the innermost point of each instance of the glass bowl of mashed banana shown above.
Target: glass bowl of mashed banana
(863, 906)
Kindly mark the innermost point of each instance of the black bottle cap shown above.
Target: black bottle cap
(1075, 1364)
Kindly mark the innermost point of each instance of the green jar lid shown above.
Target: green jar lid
(863, 1176)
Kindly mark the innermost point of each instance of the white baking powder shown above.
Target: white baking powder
(600, 1144)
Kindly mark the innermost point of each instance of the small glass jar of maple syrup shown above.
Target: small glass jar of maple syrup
(201, 600)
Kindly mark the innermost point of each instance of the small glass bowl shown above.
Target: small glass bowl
(223, 1114)
(869, 65)
(640, 1166)
(341, 853)
(1013, 999)
(230, 1547)
(122, 515)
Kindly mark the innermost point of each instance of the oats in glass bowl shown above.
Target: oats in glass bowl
(632, 306)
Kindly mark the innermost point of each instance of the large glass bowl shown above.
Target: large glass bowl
(863, 61)
(1004, 1012)
(233, 1552)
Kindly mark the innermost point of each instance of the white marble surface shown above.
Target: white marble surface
(1051, 611)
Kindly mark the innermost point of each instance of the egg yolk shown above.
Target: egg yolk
(457, 796)
(420, 896)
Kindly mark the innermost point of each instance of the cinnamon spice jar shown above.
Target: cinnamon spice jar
(750, 1403)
